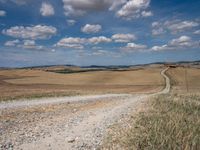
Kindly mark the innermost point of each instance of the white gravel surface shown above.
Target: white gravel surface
(58, 100)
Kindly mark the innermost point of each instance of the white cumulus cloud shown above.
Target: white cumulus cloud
(182, 42)
(134, 47)
(147, 13)
(12, 43)
(178, 26)
(79, 43)
(173, 26)
(100, 39)
(47, 9)
(30, 44)
(73, 40)
(123, 38)
(72, 43)
(91, 28)
(71, 46)
(160, 48)
(133, 9)
(32, 32)
(25, 44)
(127, 9)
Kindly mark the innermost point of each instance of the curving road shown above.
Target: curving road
(66, 123)
(167, 83)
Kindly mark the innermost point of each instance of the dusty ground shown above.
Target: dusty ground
(65, 123)
(19, 83)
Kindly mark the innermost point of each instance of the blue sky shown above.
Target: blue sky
(98, 32)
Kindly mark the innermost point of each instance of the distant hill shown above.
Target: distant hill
(66, 66)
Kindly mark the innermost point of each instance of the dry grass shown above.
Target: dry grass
(27, 83)
(171, 123)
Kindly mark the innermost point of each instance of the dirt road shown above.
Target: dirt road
(65, 123)
(167, 83)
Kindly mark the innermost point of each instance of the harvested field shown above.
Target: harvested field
(185, 79)
(25, 83)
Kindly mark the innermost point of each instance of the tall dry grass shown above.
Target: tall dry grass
(171, 123)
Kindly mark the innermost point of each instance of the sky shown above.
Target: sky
(98, 32)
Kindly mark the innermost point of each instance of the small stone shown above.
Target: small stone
(71, 140)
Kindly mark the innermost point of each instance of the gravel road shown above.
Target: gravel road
(60, 100)
(65, 123)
